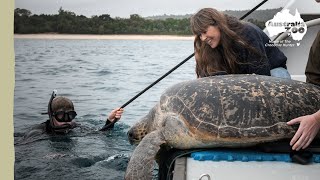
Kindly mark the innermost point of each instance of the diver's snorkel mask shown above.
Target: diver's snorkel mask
(59, 129)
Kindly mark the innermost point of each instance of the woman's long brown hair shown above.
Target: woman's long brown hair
(222, 58)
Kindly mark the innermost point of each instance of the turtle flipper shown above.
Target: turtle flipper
(141, 162)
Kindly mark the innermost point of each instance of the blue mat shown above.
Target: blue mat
(244, 155)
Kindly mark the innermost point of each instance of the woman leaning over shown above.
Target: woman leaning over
(225, 45)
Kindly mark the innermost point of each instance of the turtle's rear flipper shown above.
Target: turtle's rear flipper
(301, 157)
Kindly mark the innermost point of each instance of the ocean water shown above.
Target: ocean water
(98, 76)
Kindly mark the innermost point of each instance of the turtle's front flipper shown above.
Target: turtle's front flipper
(141, 162)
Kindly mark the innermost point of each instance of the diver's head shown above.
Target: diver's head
(62, 114)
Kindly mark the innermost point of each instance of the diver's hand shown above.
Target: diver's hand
(308, 129)
(116, 113)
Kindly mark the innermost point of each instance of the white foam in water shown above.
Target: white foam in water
(116, 156)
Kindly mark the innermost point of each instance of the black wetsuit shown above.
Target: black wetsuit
(46, 127)
(108, 122)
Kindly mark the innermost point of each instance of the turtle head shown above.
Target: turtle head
(143, 127)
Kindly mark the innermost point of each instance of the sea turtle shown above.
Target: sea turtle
(220, 111)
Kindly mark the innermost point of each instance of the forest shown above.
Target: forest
(67, 22)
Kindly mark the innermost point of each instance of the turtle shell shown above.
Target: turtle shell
(241, 106)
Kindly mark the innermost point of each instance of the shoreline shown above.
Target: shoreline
(102, 37)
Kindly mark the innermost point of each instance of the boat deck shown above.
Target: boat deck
(187, 168)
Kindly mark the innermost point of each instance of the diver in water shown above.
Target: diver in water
(61, 117)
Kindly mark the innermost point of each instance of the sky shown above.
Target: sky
(123, 8)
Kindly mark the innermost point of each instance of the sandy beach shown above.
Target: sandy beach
(107, 37)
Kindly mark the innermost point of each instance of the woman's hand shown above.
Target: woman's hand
(308, 129)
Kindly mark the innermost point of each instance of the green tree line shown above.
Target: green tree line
(67, 22)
